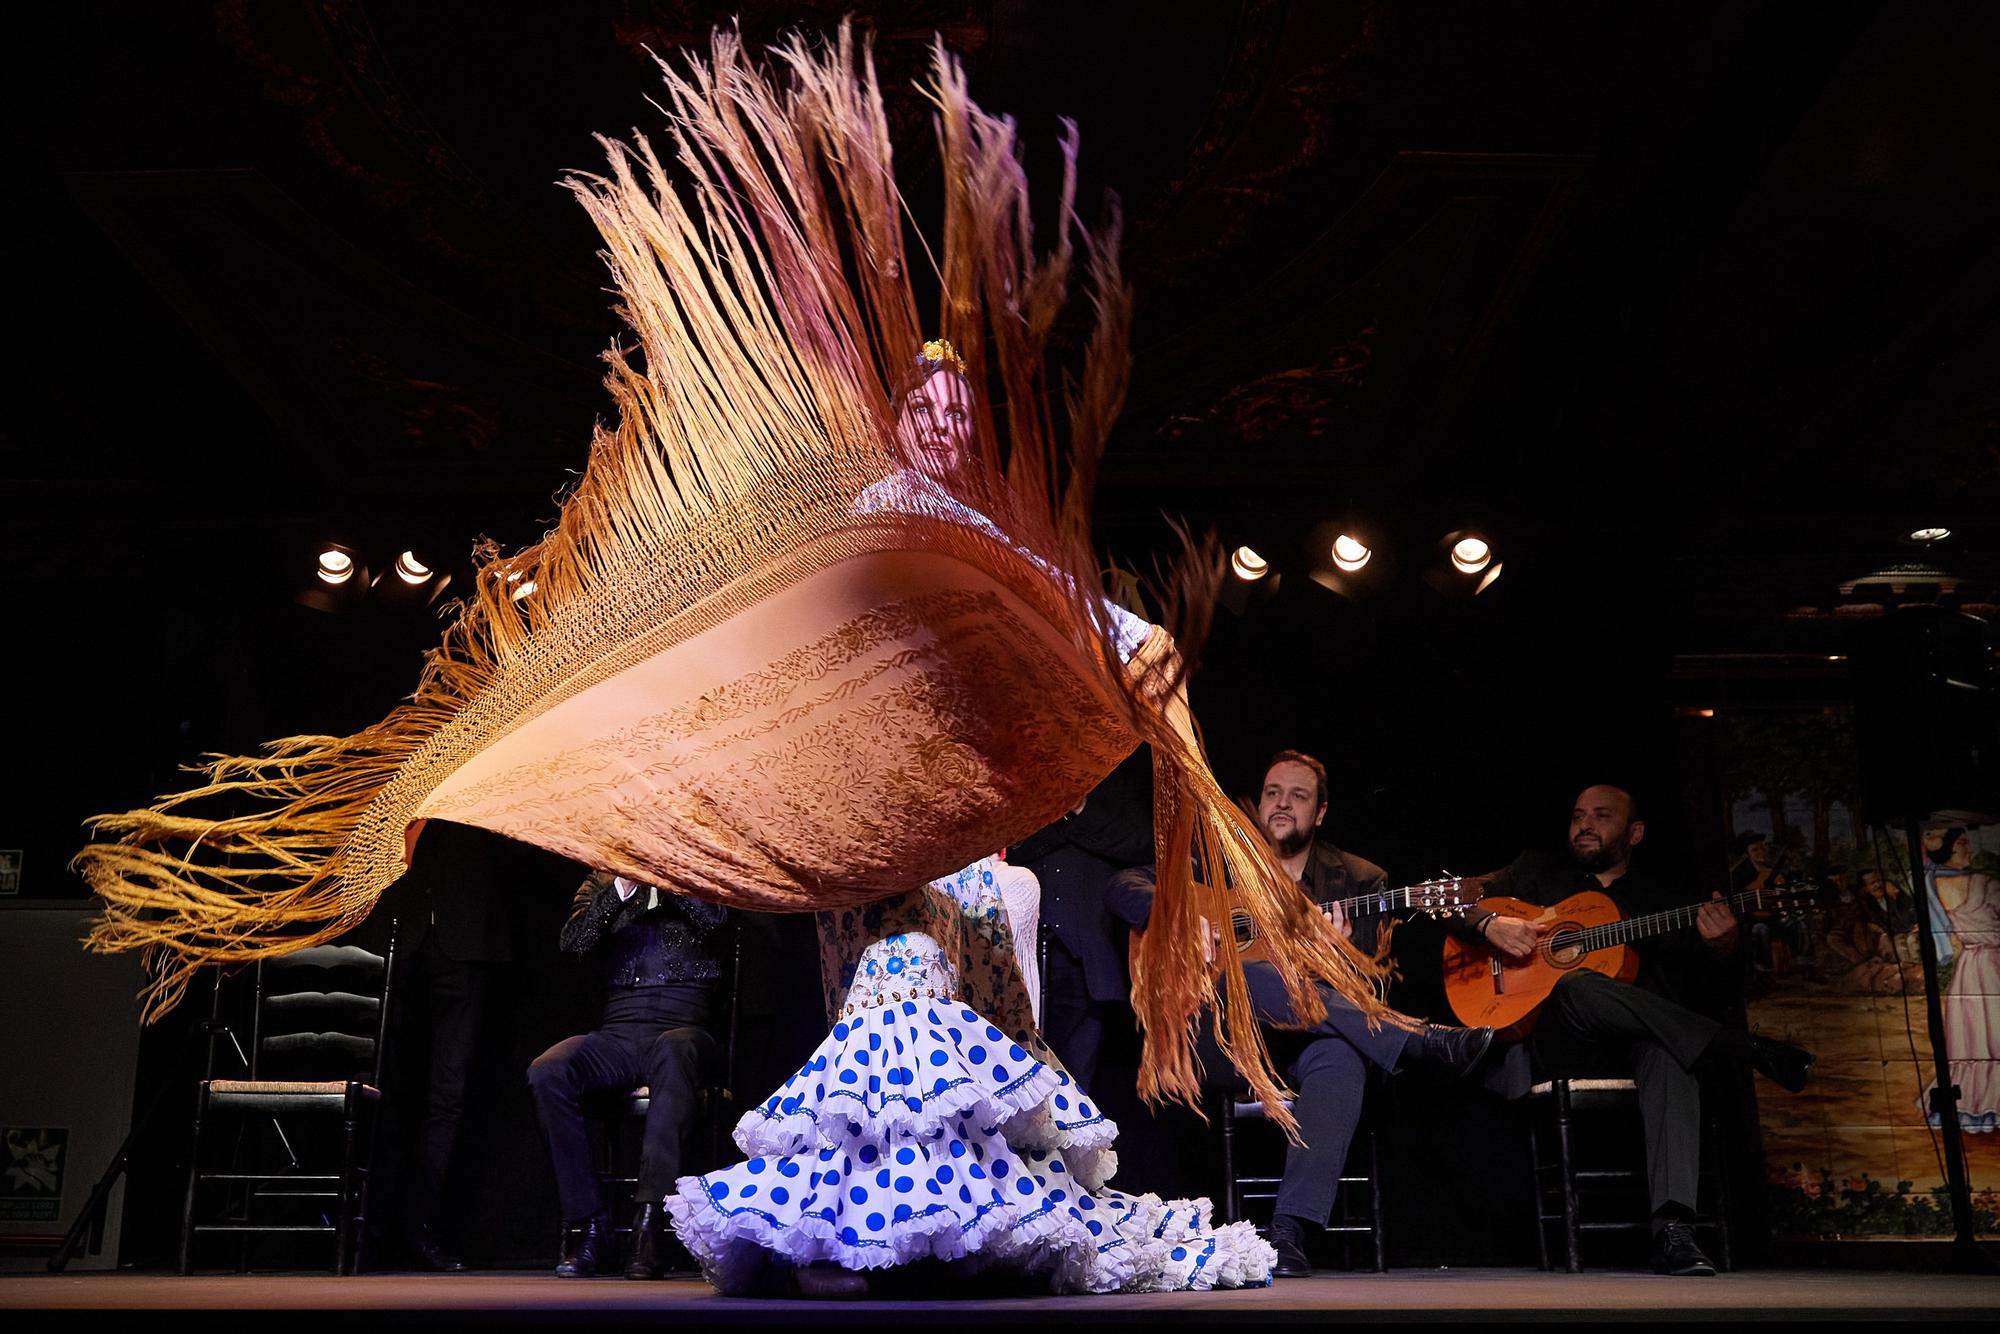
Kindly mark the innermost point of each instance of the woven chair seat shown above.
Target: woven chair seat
(1546, 1087)
(286, 1087)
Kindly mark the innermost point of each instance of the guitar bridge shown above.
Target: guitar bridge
(1499, 975)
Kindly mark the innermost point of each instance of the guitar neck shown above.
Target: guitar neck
(1372, 905)
(1629, 929)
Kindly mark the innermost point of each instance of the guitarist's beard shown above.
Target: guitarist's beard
(1594, 856)
(1292, 844)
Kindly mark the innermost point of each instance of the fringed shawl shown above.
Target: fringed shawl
(731, 679)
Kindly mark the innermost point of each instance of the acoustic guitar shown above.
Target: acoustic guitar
(1486, 989)
(1437, 898)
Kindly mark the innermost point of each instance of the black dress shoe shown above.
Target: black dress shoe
(1674, 1252)
(1288, 1239)
(1783, 1063)
(649, 1229)
(1447, 1050)
(425, 1254)
(582, 1247)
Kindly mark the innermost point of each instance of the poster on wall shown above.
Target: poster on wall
(1858, 1154)
(31, 1177)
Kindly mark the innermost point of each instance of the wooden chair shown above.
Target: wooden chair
(1562, 1185)
(319, 1026)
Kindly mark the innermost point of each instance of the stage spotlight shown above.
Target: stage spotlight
(1491, 575)
(1350, 554)
(335, 566)
(1247, 565)
(1470, 555)
(1929, 534)
(411, 570)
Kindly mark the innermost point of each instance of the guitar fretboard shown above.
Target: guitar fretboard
(1626, 930)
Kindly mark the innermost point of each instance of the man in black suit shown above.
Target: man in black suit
(454, 937)
(1085, 920)
(1683, 1010)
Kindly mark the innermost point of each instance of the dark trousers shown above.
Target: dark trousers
(440, 1006)
(1327, 1065)
(643, 1040)
(1072, 1023)
(1596, 1026)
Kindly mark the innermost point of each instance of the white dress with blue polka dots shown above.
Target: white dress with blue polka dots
(919, 1129)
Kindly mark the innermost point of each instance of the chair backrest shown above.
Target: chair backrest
(322, 1013)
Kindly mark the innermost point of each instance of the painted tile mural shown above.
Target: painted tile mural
(1855, 1155)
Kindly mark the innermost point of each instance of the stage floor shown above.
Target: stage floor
(286, 1303)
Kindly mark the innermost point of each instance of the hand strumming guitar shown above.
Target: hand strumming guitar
(1514, 937)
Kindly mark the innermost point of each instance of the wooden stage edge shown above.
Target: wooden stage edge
(289, 1302)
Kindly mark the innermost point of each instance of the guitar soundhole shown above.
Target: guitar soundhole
(1244, 928)
(1559, 946)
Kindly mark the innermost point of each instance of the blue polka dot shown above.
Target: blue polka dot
(958, 1148)
(899, 1046)
(940, 1085)
(831, 1179)
(755, 1166)
(788, 1168)
(1087, 1202)
(976, 1170)
(874, 1084)
(1017, 1054)
(905, 1185)
(934, 1188)
(882, 1178)
(850, 1236)
(1055, 1196)
(903, 1211)
(909, 1007)
(999, 1072)
(944, 1173)
(826, 1155)
(1096, 1228)
(1083, 1107)
(1055, 1165)
(780, 1195)
(875, 1222)
(999, 1170)
(955, 1035)
(748, 1190)
(718, 1190)
(970, 1017)
(839, 1033)
(874, 1041)
(1062, 1103)
(965, 1194)
(906, 1156)
(861, 1058)
(868, 1153)
(858, 1195)
(977, 1055)
(849, 1077)
(937, 1058)
(1180, 1252)
(994, 1035)
(1025, 1186)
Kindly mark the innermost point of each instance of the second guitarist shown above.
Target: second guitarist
(1327, 1064)
(1682, 1010)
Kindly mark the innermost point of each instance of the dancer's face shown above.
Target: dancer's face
(934, 424)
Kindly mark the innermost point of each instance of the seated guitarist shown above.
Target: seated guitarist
(1656, 1029)
(1327, 1064)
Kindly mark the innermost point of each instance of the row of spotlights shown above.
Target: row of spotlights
(337, 567)
(1469, 555)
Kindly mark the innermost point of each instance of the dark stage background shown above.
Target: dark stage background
(1692, 309)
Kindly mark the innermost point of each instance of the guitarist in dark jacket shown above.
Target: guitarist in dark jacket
(1328, 1063)
(1683, 1008)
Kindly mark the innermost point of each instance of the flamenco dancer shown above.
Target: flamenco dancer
(933, 1123)
(770, 660)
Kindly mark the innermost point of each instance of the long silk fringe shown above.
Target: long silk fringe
(765, 280)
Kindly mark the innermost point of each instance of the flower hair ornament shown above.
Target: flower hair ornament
(939, 352)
